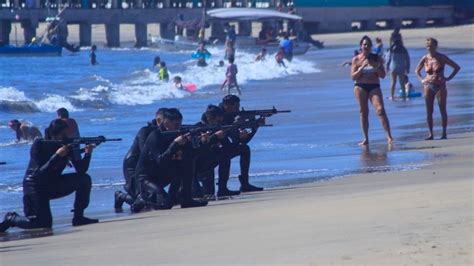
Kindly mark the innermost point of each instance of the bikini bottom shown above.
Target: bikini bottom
(435, 88)
(367, 87)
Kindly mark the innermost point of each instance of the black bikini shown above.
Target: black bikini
(367, 87)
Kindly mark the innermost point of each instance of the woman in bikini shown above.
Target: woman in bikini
(434, 83)
(367, 69)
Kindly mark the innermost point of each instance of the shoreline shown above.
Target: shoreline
(412, 217)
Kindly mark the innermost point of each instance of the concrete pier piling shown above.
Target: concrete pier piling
(29, 30)
(85, 34)
(5, 30)
(141, 35)
(112, 34)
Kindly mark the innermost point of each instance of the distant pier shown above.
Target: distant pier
(140, 13)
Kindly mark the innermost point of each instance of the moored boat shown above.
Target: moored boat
(31, 50)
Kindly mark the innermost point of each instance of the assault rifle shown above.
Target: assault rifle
(196, 131)
(252, 114)
(83, 140)
(74, 143)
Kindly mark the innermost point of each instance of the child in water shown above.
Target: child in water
(280, 56)
(261, 56)
(231, 77)
(92, 55)
(157, 61)
(163, 73)
(177, 81)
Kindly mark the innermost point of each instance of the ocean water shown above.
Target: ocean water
(317, 141)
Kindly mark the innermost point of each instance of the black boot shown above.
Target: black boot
(225, 192)
(7, 221)
(245, 186)
(79, 219)
(118, 202)
(138, 205)
(193, 203)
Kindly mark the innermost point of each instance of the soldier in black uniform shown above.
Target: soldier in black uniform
(215, 155)
(239, 141)
(130, 162)
(44, 181)
(167, 159)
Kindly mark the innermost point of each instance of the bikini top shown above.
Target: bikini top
(433, 66)
(369, 70)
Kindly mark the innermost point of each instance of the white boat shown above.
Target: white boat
(257, 14)
(245, 43)
(180, 43)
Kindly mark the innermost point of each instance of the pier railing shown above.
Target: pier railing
(136, 4)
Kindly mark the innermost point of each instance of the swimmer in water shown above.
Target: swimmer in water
(261, 56)
(93, 56)
(177, 81)
(280, 56)
(163, 73)
(24, 131)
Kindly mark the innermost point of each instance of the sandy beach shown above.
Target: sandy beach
(397, 218)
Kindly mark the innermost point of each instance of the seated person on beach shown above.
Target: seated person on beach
(280, 55)
(261, 56)
(24, 131)
(178, 83)
(167, 159)
(163, 73)
(92, 55)
(129, 165)
(271, 35)
(45, 181)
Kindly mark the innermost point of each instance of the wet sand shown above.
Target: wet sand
(416, 217)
